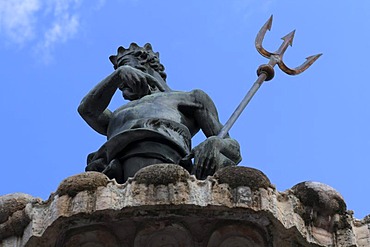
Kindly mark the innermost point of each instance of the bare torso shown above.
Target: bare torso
(172, 107)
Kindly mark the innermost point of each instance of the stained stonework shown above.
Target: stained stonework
(238, 206)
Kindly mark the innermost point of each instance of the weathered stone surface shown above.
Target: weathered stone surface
(161, 174)
(323, 209)
(159, 234)
(15, 224)
(88, 181)
(237, 235)
(320, 196)
(12, 203)
(183, 211)
(94, 236)
(236, 176)
(14, 216)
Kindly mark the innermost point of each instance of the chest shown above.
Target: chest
(172, 103)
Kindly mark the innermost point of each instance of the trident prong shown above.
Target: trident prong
(261, 36)
(277, 56)
(266, 71)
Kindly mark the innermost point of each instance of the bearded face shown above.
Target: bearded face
(135, 84)
(143, 62)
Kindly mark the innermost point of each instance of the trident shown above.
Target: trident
(266, 72)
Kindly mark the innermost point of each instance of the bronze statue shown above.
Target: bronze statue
(157, 125)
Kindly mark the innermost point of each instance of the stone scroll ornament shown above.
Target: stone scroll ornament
(157, 124)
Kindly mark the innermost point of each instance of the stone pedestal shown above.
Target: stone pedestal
(164, 206)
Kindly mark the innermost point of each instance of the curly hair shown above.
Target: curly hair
(144, 54)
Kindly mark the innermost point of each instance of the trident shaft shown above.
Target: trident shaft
(266, 72)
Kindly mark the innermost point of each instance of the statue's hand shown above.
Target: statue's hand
(134, 83)
(214, 154)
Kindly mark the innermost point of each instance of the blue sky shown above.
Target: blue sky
(314, 126)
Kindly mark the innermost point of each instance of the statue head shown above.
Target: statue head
(142, 58)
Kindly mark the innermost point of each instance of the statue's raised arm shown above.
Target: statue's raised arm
(129, 76)
(157, 125)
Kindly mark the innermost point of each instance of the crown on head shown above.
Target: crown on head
(145, 54)
(121, 52)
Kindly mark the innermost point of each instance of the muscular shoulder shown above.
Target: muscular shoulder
(201, 97)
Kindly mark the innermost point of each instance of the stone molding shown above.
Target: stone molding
(164, 204)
